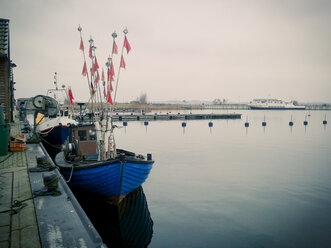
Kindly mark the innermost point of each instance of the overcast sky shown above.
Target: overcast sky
(181, 49)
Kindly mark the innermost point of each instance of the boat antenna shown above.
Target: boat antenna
(55, 80)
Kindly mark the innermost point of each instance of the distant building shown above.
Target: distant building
(7, 100)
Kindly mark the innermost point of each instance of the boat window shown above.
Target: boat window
(82, 135)
(92, 134)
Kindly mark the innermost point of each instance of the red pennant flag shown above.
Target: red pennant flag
(127, 45)
(81, 47)
(97, 78)
(109, 99)
(84, 72)
(115, 48)
(103, 76)
(112, 71)
(111, 86)
(122, 62)
(95, 66)
(71, 97)
(90, 51)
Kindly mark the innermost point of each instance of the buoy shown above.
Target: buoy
(246, 123)
(264, 123)
(291, 122)
(305, 121)
(125, 123)
(210, 124)
(146, 123)
(183, 124)
(324, 121)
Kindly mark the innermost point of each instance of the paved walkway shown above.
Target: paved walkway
(18, 226)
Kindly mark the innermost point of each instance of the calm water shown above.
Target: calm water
(235, 187)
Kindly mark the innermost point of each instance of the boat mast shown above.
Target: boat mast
(96, 84)
(125, 31)
(109, 135)
(87, 75)
(93, 91)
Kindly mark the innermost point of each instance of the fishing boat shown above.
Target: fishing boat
(274, 104)
(92, 162)
(116, 176)
(54, 117)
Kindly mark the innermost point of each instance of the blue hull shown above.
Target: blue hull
(114, 177)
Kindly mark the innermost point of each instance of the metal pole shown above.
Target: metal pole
(119, 68)
(87, 76)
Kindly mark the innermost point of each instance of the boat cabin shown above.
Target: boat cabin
(87, 137)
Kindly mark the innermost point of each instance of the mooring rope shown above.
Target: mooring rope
(72, 170)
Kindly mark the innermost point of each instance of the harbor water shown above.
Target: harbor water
(232, 186)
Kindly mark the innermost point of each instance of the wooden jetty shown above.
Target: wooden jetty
(155, 117)
(246, 107)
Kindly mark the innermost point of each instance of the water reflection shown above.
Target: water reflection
(126, 224)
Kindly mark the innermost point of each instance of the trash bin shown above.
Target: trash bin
(2, 116)
(4, 135)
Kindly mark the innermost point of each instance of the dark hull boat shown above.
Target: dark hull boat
(53, 118)
(110, 178)
(54, 137)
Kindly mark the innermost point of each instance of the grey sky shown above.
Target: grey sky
(235, 49)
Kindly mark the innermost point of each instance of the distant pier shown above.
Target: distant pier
(150, 117)
(246, 107)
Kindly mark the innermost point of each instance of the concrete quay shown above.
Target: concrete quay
(30, 214)
(18, 225)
